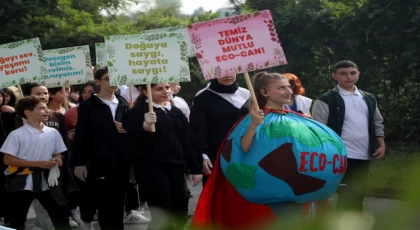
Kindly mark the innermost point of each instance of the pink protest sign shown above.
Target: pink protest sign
(236, 44)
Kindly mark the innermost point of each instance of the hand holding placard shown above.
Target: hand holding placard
(149, 95)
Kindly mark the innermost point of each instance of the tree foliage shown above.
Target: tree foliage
(380, 36)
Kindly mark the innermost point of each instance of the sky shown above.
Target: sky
(188, 6)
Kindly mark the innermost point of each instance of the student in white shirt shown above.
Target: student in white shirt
(125, 92)
(101, 156)
(179, 101)
(352, 114)
(33, 154)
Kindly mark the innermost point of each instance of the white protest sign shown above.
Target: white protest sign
(21, 62)
(68, 66)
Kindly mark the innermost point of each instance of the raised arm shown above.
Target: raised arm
(248, 138)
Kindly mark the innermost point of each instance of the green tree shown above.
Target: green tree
(381, 37)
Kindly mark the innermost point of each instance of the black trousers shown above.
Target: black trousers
(21, 201)
(107, 195)
(350, 196)
(163, 185)
(4, 195)
(132, 200)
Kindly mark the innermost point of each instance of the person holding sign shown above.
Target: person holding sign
(281, 164)
(100, 154)
(273, 91)
(33, 154)
(214, 112)
(160, 158)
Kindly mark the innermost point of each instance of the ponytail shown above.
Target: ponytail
(261, 81)
(140, 100)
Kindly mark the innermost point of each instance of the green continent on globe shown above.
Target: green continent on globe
(241, 175)
(305, 134)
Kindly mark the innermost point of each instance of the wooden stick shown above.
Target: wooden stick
(66, 105)
(131, 96)
(149, 96)
(251, 91)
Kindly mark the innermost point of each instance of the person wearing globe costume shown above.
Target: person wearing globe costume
(287, 161)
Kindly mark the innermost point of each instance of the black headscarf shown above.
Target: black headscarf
(217, 87)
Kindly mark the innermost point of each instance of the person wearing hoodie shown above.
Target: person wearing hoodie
(100, 155)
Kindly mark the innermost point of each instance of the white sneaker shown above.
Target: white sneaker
(73, 223)
(75, 214)
(86, 226)
(136, 217)
(6, 228)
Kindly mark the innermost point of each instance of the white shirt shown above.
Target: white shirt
(355, 131)
(28, 143)
(112, 105)
(302, 103)
(167, 106)
(182, 105)
(125, 93)
(237, 99)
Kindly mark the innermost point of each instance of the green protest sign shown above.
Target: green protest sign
(147, 58)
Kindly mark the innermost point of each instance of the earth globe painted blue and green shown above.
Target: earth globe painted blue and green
(292, 158)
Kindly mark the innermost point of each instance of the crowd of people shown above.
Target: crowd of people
(81, 156)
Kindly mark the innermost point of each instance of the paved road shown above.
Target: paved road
(374, 205)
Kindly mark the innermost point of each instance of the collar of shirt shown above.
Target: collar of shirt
(114, 100)
(168, 106)
(344, 92)
(32, 130)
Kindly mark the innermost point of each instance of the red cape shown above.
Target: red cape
(220, 206)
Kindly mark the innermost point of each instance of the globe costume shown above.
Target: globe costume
(292, 159)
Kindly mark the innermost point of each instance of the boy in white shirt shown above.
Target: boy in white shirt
(353, 114)
(33, 154)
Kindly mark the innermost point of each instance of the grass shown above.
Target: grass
(394, 170)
